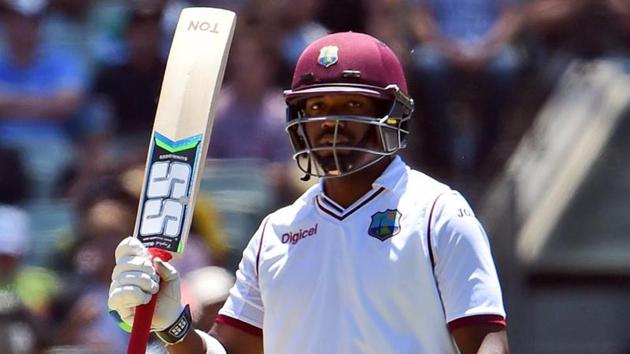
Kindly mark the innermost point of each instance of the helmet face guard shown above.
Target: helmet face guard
(347, 63)
(336, 159)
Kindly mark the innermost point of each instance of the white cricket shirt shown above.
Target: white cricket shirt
(319, 278)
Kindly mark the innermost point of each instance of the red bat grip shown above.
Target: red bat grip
(144, 314)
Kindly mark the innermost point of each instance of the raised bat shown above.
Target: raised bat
(179, 142)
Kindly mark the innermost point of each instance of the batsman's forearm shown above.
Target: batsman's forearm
(192, 344)
(495, 343)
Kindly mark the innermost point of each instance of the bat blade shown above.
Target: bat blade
(179, 142)
(182, 127)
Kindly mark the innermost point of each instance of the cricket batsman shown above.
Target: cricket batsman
(376, 258)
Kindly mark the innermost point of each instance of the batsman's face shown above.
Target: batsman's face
(330, 132)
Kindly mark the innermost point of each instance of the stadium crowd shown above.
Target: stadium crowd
(79, 82)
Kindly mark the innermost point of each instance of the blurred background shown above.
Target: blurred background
(522, 105)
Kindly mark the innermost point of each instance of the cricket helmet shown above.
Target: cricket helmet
(348, 63)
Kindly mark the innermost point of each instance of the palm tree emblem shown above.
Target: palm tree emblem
(328, 55)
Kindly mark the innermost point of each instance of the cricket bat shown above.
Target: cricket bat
(179, 142)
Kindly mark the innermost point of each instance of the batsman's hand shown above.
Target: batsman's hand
(135, 279)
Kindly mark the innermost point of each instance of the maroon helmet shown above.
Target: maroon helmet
(348, 63)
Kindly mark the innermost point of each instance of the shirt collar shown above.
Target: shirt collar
(392, 175)
(389, 179)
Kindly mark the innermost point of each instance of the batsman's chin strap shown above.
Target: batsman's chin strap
(307, 174)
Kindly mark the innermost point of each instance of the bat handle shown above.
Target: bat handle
(144, 314)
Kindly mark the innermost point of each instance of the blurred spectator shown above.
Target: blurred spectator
(107, 214)
(15, 183)
(585, 27)
(251, 114)
(343, 15)
(388, 21)
(40, 92)
(92, 30)
(250, 108)
(24, 290)
(298, 27)
(68, 25)
(560, 30)
(168, 11)
(207, 234)
(208, 288)
(466, 64)
(235, 5)
(104, 207)
(82, 317)
(89, 31)
(33, 286)
(14, 233)
(129, 91)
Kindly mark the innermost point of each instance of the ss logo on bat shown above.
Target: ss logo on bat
(166, 199)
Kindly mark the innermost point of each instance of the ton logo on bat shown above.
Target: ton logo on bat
(203, 26)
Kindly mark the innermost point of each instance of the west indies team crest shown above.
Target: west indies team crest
(328, 55)
(385, 224)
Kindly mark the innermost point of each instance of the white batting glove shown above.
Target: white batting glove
(134, 281)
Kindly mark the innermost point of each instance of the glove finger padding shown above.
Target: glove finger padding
(126, 297)
(130, 246)
(136, 277)
(133, 279)
(168, 302)
(166, 271)
(135, 263)
(127, 315)
(139, 279)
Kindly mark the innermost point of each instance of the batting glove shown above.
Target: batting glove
(135, 280)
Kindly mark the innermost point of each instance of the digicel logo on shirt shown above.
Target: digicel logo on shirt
(295, 237)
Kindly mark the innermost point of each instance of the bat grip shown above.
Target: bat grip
(144, 314)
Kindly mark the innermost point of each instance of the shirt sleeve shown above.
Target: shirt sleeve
(464, 268)
(244, 302)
